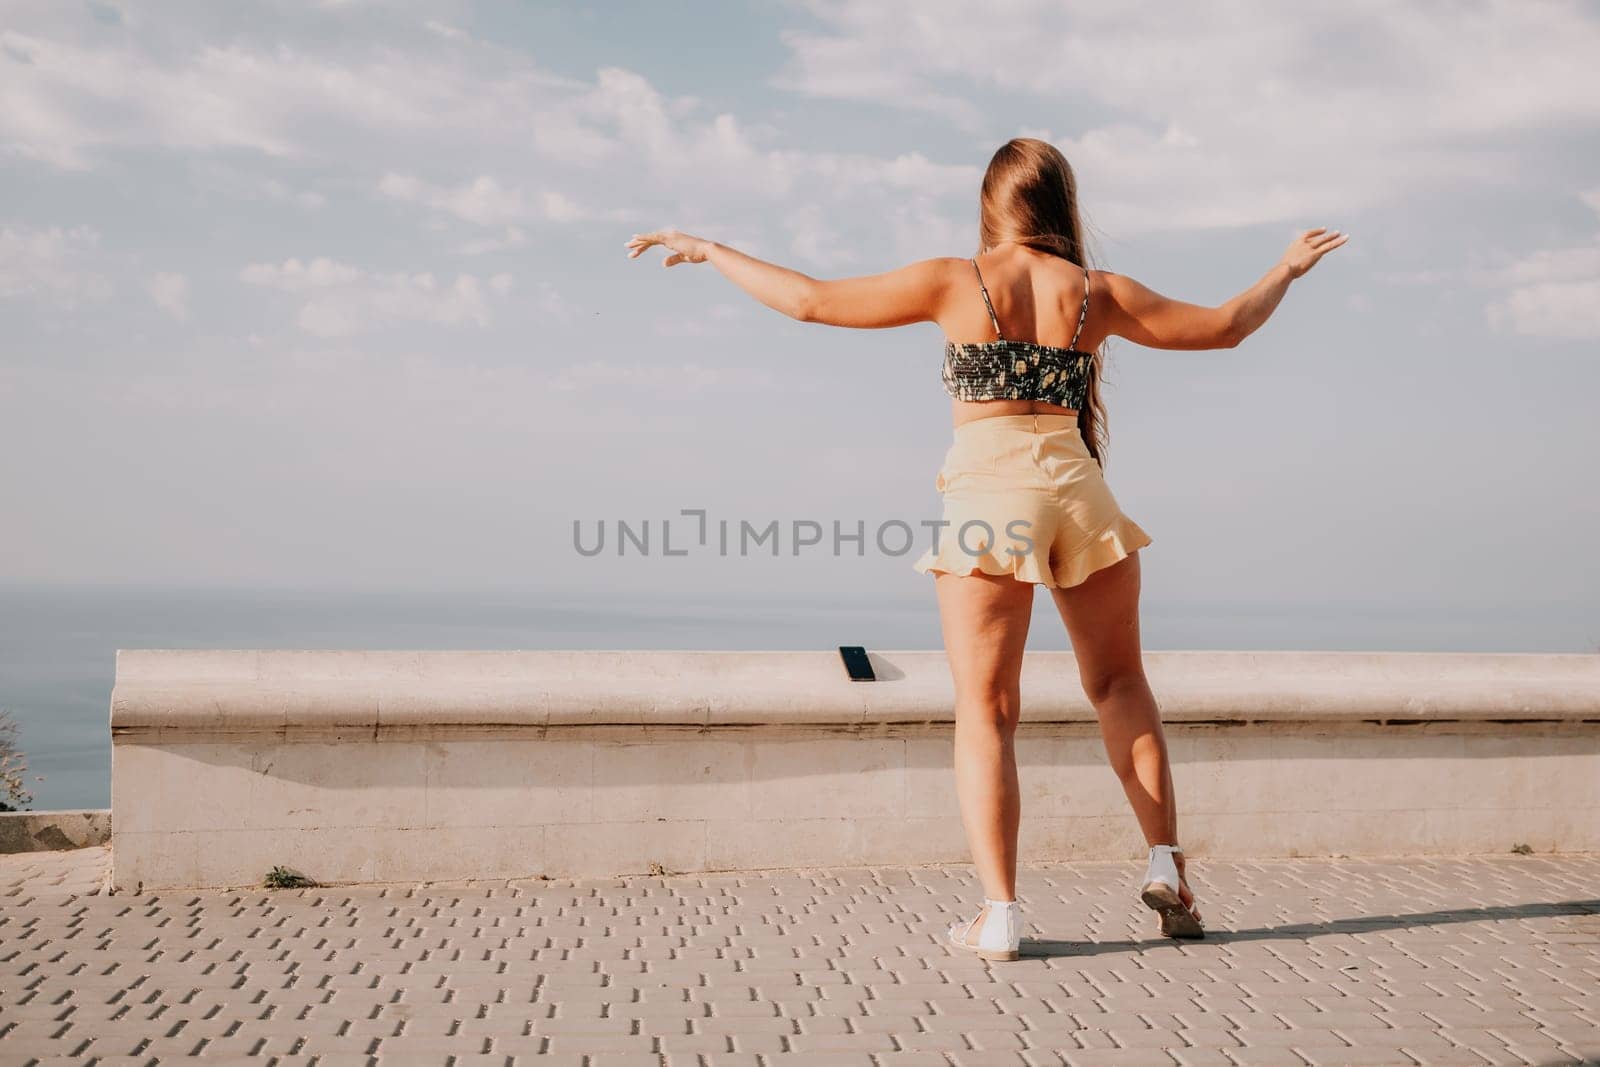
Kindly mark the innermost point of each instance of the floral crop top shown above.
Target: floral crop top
(1018, 370)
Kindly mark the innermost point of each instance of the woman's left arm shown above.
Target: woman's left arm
(913, 293)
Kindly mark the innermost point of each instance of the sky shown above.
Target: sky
(336, 295)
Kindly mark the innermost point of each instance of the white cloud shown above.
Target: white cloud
(1552, 265)
(397, 297)
(67, 101)
(51, 264)
(1552, 292)
(297, 276)
(482, 200)
(511, 237)
(845, 64)
(1177, 118)
(325, 107)
(1198, 117)
(485, 201)
(447, 31)
(171, 294)
(341, 300)
(547, 302)
(1567, 309)
(813, 237)
(714, 161)
(1494, 66)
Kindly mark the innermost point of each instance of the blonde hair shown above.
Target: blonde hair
(1030, 196)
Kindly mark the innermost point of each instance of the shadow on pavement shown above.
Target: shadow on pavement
(1305, 931)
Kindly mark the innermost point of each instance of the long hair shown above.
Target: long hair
(1030, 196)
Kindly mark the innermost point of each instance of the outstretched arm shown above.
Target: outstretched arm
(912, 293)
(1147, 318)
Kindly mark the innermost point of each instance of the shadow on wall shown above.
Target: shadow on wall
(475, 776)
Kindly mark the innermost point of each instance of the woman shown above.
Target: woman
(1027, 459)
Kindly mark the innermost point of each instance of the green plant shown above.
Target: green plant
(284, 878)
(14, 796)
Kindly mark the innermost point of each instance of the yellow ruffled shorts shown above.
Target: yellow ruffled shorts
(1023, 496)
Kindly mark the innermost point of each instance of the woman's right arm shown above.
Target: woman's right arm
(1147, 318)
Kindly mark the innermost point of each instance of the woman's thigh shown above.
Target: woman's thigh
(1101, 614)
(985, 622)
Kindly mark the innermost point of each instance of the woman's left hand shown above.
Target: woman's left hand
(685, 247)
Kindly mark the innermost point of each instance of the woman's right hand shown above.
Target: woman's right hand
(1311, 246)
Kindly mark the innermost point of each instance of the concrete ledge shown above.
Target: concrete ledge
(383, 766)
(251, 690)
(47, 831)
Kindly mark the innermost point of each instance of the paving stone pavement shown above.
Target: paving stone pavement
(1478, 960)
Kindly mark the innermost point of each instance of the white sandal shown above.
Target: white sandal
(1160, 893)
(999, 937)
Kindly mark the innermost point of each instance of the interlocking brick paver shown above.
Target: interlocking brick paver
(996, 1040)
(1296, 1039)
(1201, 1056)
(1264, 1057)
(1200, 1037)
(1478, 960)
(933, 1040)
(1121, 1057)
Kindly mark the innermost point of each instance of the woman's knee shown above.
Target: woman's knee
(998, 708)
(1102, 685)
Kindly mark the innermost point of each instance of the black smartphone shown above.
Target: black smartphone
(856, 663)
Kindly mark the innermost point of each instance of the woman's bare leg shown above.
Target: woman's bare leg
(985, 620)
(1102, 620)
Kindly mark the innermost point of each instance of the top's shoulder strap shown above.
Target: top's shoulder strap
(1084, 314)
(986, 302)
